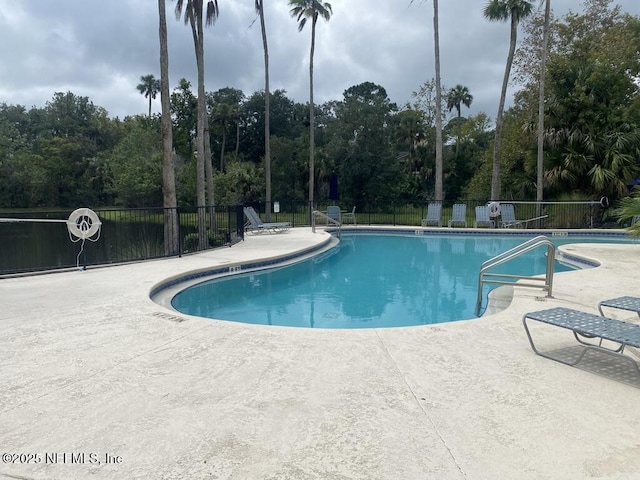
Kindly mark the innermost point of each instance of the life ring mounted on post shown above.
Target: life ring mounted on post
(83, 224)
(494, 209)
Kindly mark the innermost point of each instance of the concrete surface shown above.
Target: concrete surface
(99, 382)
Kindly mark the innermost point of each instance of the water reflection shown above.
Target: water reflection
(367, 281)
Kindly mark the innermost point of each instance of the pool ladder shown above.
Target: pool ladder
(545, 283)
(327, 219)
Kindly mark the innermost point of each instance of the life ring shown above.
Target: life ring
(494, 209)
(83, 223)
(604, 202)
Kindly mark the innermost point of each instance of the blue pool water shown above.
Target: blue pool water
(368, 281)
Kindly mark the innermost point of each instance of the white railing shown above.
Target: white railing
(545, 283)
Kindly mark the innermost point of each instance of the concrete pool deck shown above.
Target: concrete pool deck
(97, 381)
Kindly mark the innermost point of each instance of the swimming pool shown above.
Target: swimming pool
(368, 281)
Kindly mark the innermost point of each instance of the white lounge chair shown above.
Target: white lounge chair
(350, 216)
(508, 216)
(333, 212)
(434, 215)
(255, 225)
(458, 215)
(482, 218)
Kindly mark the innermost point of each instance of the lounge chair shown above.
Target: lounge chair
(508, 216)
(434, 215)
(350, 216)
(333, 212)
(631, 304)
(458, 215)
(255, 225)
(482, 218)
(585, 327)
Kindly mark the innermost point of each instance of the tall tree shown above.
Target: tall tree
(362, 143)
(149, 87)
(502, 11)
(439, 163)
(303, 10)
(543, 69)
(267, 128)
(169, 201)
(195, 16)
(223, 115)
(456, 98)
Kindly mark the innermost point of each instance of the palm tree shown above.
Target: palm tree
(223, 115)
(193, 15)
(501, 11)
(543, 68)
(439, 194)
(439, 163)
(267, 128)
(303, 10)
(629, 210)
(149, 87)
(170, 202)
(456, 97)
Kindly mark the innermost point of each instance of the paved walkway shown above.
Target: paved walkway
(97, 381)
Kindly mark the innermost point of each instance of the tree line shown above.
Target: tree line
(70, 152)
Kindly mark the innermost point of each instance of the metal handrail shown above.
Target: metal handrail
(510, 254)
(327, 218)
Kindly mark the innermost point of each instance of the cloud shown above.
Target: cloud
(100, 50)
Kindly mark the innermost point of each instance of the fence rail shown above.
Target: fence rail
(144, 233)
(35, 243)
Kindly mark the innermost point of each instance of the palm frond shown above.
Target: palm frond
(212, 12)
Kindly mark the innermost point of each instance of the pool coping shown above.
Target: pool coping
(163, 292)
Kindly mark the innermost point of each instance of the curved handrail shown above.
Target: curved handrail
(512, 253)
(327, 218)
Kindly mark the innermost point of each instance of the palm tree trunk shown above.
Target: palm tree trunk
(200, 158)
(311, 117)
(149, 105)
(458, 131)
(168, 170)
(224, 141)
(495, 175)
(237, 138)
(267, 126)
(439, 163)
(543, 68)
(208, 171)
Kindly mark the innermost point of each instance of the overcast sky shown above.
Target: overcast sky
(99, 49)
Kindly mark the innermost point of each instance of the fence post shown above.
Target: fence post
(179, 232)
(239, 222)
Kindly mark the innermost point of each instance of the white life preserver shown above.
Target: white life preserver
(494, 209)
(83, 223)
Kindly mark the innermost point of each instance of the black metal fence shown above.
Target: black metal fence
(39, 240)
(546, 215)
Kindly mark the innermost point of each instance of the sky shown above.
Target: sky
(100, 49)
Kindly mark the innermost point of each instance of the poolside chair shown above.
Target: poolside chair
(350, 216)
(255, 225)
(631, 304)
(434, 215)
(333, 212)
(587, 328)
(508, 216)
(482, 218)
(459, 215)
